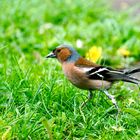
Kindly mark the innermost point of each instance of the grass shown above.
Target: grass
(36, 101)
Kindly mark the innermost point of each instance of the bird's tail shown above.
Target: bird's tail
(130, 72)
(131, 79)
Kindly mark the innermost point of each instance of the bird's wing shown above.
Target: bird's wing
(97, 72)
(103, 73)
(107, 74)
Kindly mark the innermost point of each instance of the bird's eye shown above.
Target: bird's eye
(58, 50)
(53, 50)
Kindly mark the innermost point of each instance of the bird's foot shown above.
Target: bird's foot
(112, 98)
(90, 95)
(84, 103)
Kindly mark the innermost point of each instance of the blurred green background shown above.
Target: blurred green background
(36, 101)
(34, 26)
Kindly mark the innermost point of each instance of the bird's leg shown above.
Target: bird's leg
(90, 95)
(111, 97)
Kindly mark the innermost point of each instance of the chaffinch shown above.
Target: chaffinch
(87, 75)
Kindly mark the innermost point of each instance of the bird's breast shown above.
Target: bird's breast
(74, 75)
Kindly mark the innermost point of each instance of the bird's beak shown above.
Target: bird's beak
(51, 55)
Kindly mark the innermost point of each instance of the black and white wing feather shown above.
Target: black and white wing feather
(109, 74)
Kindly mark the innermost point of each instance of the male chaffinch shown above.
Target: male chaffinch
(87, 75)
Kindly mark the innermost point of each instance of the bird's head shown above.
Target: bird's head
(64, 53)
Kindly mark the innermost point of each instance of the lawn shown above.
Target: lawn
(36, 101)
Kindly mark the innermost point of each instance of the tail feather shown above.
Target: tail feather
(131, 80)
(124, 77)
(136, 70)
